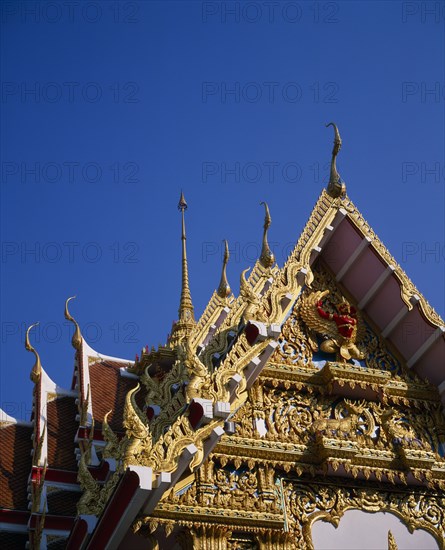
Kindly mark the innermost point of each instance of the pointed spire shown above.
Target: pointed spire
(336, 188)
(186, 312)
(76, 340)
(267, 257)
(37, 368)
(182, 205)
(224, 288)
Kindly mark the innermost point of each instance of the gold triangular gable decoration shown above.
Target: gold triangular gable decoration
(303, 343)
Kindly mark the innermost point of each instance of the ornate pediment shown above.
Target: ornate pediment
(336, 420)
(313, 409)
(335, 399)
(326, 332)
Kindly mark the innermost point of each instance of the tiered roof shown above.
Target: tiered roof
(98, 458)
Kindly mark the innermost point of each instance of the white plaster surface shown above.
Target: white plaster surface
(360, 530)
(261, 426)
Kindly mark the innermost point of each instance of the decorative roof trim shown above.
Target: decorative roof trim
(323, 215)
(407, 287)
(87, 355)
(7, 420)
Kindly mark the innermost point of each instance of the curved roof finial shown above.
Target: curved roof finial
(37, 368)
(267, 257)
(76, 340)
(224, 288)
(244, 285)
(336, 188)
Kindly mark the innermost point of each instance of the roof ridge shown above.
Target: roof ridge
(362, 224)
(7, 420)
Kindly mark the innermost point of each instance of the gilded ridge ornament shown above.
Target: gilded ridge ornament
(83, 408)
(37, 485)
(36, 536)
(251, 299)
(341, 330)
(111, 449)
(224, 288)
(36, 370)
(267, 258)
(37, 447)
(199, 383)
(336, 188)
(76, 340)
(89, 502)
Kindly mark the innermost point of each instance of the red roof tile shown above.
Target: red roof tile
(108, 391)
(62, 503)
(15, 466)
(13, 541)
(61, 431)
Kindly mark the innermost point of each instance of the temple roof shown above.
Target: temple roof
(108, 391)
(378, 285)
(15, 464)
(68, 448)
(61, 433)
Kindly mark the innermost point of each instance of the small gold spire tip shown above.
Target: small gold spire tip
(76, 340)
(37, 368)
(182, 205)
(186, 320)
(224, 288)
(267, 257)
(336, 188)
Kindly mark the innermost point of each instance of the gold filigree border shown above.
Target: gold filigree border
(306, 503)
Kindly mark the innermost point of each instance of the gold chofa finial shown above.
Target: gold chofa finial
(267, 257)
(37, 368)
(224, 288)
(336, 188)
(186, 320)
(76, 340)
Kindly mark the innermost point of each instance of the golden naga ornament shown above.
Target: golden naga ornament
(341, 330)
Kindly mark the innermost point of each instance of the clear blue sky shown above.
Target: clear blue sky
(119, 105)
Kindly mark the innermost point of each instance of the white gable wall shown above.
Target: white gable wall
(365, 531)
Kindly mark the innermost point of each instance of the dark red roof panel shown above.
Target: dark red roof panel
(13, 541)
(61, 431)
(62, 503)
(15, 466)
(108, 391)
